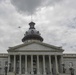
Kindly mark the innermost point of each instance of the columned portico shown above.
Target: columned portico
(38, 64)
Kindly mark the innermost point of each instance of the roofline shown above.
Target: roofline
(25, 44)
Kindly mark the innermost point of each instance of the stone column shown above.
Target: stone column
(25, 64)
(50, 65)
(14, 63)
(19, 64)
(31, 64)
(44, 72)
(56, 63)
(38, 72)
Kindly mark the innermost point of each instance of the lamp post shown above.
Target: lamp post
(71, 70)
(9, 67)
(6, 67)
(63, 65)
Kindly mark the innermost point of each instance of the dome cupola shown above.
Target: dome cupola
(32, 34)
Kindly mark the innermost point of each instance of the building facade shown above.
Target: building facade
(34, 57)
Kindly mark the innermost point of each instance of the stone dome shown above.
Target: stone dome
(32, 34)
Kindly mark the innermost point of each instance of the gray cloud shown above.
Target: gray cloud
(2, 0)
(31, 6)
(59, 24)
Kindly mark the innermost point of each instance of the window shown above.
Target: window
(70, 64)
(34, 61)
(6, 63)
(32, 31)
(0, 70)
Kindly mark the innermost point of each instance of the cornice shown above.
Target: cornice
(44, 44)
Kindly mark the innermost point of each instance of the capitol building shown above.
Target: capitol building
(34, 57)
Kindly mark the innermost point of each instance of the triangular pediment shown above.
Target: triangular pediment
(35, 46)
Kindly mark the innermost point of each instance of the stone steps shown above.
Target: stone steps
(64, 74)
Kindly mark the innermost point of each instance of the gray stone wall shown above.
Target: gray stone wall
(3, 61)
(70, 61)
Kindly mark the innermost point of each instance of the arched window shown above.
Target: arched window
(70, 64)
(32, 31)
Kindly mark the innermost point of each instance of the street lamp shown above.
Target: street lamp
(71, 70)
(9, 67)
(63, 65)
(6, 67)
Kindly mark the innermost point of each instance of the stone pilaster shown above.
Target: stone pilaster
(20, 64)
(56, 63)
(25, 64)
(38, 72)
(50, 64)
(44, 71)
(31, 64)
(14, 63)
(8, 62)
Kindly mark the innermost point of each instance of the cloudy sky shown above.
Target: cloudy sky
(55, 19)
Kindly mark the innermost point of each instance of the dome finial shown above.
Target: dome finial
(32, 25)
